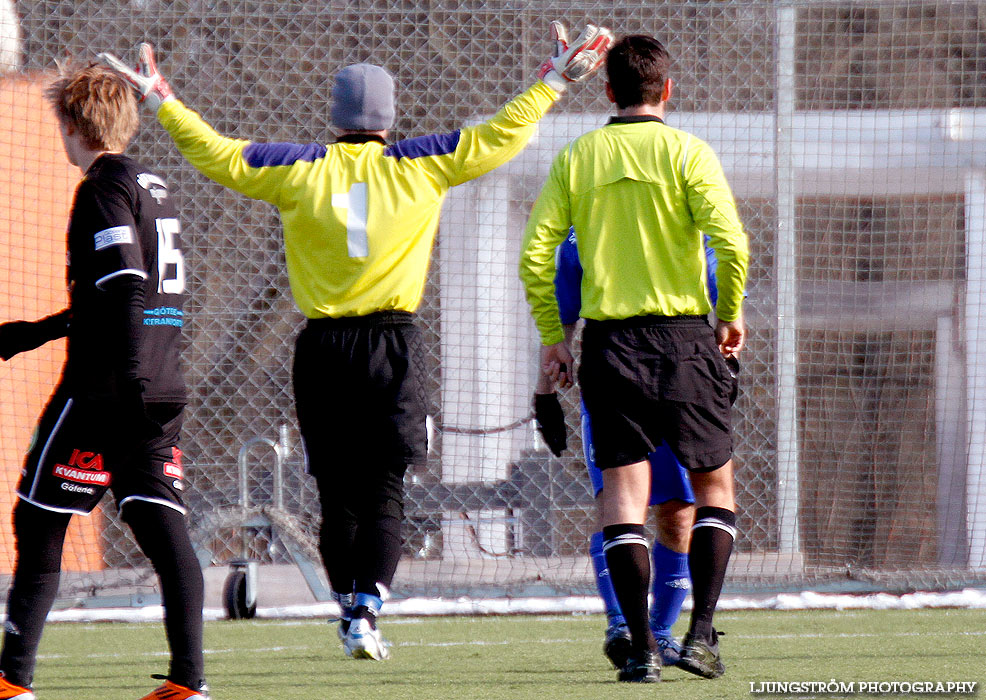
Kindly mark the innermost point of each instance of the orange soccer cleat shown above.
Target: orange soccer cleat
(173, 691)
(9, 691)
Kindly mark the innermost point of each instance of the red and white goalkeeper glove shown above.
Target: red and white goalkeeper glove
(146, 80)
(578, 60)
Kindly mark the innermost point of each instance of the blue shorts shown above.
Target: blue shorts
(668, 479)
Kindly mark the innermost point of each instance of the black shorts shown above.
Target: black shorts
(648, 379)
(78, 452)
(359, 394)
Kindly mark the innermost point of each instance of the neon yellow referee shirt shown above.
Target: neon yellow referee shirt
(640, 195)
(359, 216)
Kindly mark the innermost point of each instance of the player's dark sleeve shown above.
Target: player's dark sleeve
(21, 336)
(109, 203)
(551, 422)
(121, 301)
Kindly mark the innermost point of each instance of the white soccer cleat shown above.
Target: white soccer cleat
(343, 631)
(346, 602)
(364, 642)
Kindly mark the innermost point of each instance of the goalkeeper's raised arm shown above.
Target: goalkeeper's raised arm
(234, 163)
(313, 184)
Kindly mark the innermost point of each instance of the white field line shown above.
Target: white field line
(509, 642)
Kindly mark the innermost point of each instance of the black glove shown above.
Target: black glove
(20, 336)
(551, 422)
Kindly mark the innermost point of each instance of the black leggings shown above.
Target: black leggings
(162, 535)
(160, 532)
(39, 535)
(360, 538)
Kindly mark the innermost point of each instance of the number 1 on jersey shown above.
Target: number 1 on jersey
(355, 204)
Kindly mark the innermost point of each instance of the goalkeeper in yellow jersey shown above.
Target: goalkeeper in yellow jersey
(643, 197)
(360, 216)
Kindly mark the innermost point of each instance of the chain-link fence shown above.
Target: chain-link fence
(853, 135)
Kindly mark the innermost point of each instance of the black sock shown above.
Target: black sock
(629, 570)
(39, 536)
(162, 535)
(712, 543)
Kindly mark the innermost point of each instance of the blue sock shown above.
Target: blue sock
(367, 606)
(671, 585)
(603, 582)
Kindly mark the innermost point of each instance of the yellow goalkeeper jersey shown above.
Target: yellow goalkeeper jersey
(359, 216)
(640, 196)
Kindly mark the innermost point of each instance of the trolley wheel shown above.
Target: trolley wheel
(235, 596)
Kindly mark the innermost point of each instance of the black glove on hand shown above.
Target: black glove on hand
(551, 422)
(16, 337)
(20, 336)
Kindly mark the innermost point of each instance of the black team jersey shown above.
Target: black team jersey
(124, 234)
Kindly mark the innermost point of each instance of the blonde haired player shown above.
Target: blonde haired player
(114, 420)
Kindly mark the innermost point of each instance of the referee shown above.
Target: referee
(360, 217)
(642, 196)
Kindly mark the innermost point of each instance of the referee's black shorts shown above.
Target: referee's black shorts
(652, 378)
(359, 395)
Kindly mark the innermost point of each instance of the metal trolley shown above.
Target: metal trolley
(241, 584)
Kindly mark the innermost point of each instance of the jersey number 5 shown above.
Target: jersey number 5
(169, 255)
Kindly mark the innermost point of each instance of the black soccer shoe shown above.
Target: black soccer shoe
(644, 667)
(617, 645)
(701, 657)
(670, 650)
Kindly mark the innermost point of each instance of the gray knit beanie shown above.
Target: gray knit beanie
(363, 98)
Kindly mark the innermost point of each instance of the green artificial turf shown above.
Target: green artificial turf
(529, 657)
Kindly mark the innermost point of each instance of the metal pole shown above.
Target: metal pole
(975, 223)
(786, 275)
